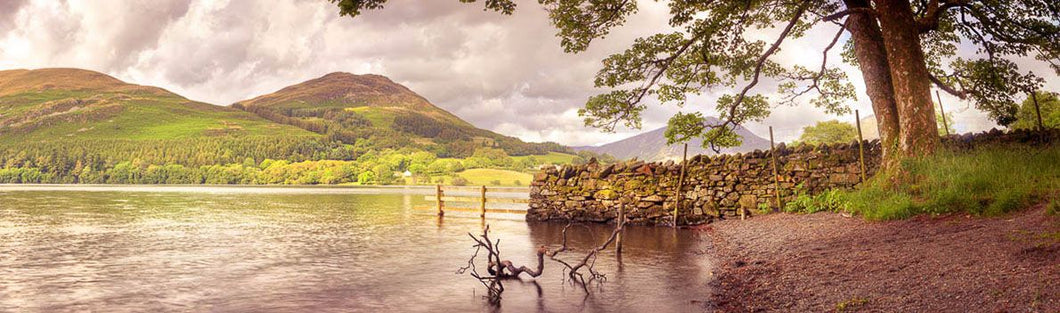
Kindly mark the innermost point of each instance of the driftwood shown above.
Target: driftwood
(498, 269)
(504, 269)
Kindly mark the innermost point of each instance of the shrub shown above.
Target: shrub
(459, 181)
(495, 182)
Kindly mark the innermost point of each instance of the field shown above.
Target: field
(550, 158)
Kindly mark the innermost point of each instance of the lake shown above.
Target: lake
(282, 249)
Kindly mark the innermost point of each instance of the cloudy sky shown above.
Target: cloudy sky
(503, 73)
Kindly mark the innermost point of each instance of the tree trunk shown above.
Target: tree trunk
(872, 59)
(910, 78)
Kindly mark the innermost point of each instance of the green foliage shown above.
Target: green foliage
(1049, 105)
(355, 7)
(828, 201)
(984, 181)
(828, 132)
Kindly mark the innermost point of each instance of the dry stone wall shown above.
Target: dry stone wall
(716, 186)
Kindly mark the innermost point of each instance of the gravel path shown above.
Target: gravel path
(827, 262)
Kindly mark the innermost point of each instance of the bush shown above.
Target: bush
(517, 183)
(459, 181)
(495, 182)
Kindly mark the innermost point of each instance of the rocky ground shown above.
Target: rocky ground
(830, 262)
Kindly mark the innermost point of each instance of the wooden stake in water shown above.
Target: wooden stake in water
(776, 172)
(483, 214)
(441, 203)
(680, 183)
(618, 237)
(861, 148)
(942, 112)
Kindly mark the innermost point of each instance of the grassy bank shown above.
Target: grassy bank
(984, 181)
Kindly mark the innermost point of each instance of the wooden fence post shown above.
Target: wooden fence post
(861, 149)
(776, 172)
(483, 214)
(441, 204)
(1034, 96)
(942, 112)
(680, 183)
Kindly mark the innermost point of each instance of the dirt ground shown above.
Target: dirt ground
(829, 262)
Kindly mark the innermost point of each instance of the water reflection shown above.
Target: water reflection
(131, 251)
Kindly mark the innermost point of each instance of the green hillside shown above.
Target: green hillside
(374, 112)
(79, 126)
(63, 104)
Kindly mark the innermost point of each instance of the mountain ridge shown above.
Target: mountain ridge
(352, 108)
(651, 145)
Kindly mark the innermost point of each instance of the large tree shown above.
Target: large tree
(902, 47)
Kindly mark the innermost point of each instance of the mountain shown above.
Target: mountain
(651, 146)
(58, 104)
(373, 111)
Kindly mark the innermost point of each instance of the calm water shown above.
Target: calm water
(231, 249)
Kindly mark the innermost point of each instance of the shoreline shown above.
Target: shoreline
(827, 262)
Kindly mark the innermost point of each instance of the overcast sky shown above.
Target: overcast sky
(503, 73)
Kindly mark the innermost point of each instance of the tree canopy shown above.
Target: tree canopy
(827, 132)
(1049, 105)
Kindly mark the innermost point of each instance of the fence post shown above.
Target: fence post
(942, 112)
(483, 214)
(1038, 111)
(861, 149)
(680, 183)
(776, 173)
(441, 204)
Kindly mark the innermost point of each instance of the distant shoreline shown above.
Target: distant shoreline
(215, 188)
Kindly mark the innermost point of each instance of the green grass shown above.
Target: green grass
(985, 181)
(550, 158)
(379, 117)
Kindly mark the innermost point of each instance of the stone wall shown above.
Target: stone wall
(718, 185)
(713, 186)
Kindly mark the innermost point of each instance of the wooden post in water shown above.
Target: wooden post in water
(441, 204)
(776, 172)
(618, 237)
(680, 183)
(1034, 96)
(942, 112)
(483, 203)
(861, 149)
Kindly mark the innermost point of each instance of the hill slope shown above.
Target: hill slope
(651, 146)
(57, 104)
(373, 111)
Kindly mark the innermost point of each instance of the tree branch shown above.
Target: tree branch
(930, 20)
(835, 16)
(947, 88)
